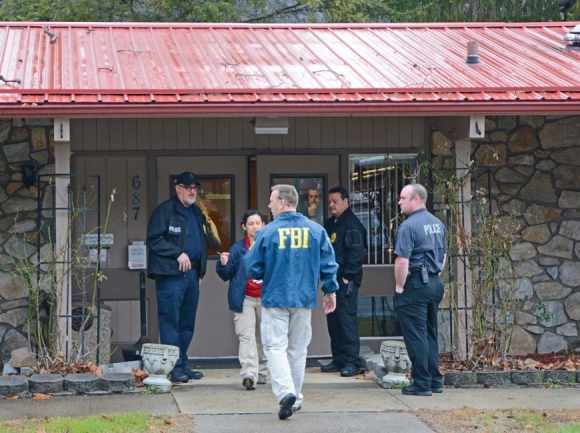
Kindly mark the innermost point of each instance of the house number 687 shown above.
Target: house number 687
(136, 200)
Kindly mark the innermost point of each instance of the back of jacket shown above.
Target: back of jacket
(166, 235)
(289, 255)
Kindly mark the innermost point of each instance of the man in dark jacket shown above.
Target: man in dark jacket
(177, 241)
(348, 236)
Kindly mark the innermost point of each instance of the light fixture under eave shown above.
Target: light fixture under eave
(271, 125)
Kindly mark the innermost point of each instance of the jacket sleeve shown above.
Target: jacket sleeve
(228, 271)
(328, 266)
(156, 231)
(354, 241)
(254, 258)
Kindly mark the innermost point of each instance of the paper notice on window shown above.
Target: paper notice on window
(138, 256)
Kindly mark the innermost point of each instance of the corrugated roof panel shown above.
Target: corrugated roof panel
(426, 96)
(373, 96)
(529, 96)
(245, 97)
(554, 95)
(273, 65)
(345, 97)
(163, 98)
(501, 96)
(270, 97)
(324, 97)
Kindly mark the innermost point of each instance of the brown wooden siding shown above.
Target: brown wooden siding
(305, 133)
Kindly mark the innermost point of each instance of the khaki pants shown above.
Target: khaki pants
(247, 326)
(286, 333)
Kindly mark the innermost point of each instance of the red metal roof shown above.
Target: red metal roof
(108, 69)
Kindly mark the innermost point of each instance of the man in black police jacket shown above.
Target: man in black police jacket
(177, 241)
(348, 237)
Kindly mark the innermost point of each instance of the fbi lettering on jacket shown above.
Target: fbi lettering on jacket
(293, 237)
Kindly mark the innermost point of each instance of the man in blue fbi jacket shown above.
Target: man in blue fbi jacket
(421, 251)
(289, 255)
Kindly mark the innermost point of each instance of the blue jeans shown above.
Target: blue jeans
(177, 299)
(417, 309)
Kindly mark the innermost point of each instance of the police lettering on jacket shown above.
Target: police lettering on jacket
(297, 236)
(432, 229)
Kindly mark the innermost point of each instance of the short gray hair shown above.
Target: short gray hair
(419, 190)
(287, 193)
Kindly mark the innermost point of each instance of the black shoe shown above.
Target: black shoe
(286, 406)
(248, 382)
(331, 368)
(351, 370)
(195, 375)
(412, 390)
(437, 390)
(178, 376)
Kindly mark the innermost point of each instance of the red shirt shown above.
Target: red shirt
(254, 287)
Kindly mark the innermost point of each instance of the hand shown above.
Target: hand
(399, 289)
(329, 304)
(184, 262)
(224, 257)
(344, 280)
(312, 210)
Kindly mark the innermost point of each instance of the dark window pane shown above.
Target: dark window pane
(377, 317)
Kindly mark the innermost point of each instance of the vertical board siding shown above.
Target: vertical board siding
(157, 134)
(116, 135)
(128, 177)
(183, 133)
(143, 134)
(305, 133)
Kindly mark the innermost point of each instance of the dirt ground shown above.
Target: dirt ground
(520, 420)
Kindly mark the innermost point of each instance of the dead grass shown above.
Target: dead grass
(494, 420)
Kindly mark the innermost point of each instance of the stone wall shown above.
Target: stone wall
(22, 142)
(535, 166)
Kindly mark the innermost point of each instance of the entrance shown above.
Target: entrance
(214, 333)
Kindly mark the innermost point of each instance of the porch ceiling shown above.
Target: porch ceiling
(107, 69)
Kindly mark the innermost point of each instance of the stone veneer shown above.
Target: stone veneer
(22, 142)
(535, 166)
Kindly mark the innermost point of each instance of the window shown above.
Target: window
(375, 183)
(377, 317)
(214, 198)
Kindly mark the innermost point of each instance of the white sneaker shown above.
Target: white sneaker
(262, 379)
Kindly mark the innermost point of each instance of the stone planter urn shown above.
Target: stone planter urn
(396, 360)
(158, 361)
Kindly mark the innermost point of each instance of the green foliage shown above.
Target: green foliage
(540, 310)
(60, 260)
(479, 248)
(554, 384)
(268, 11)
(116, 423)
(148, 389)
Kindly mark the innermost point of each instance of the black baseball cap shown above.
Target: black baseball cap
(187, 178)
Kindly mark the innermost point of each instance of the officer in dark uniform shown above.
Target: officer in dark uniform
(348, 237)
(421, 251)
(177, 237)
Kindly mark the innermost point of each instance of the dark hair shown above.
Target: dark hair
(249, 213)
(339, 189)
